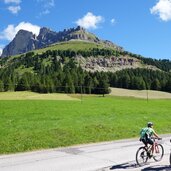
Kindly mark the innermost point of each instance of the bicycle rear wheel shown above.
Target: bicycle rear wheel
(157, 156)
(141, 156)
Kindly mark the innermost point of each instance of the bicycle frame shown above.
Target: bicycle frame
(152, 148)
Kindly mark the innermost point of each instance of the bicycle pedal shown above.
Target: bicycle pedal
(151, 156)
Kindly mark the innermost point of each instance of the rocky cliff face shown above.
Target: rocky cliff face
(25, 41)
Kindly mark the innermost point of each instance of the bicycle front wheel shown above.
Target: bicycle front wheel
(141, 156)
(158, 155)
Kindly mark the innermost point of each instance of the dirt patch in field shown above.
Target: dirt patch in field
(24, 95)
(150, 94)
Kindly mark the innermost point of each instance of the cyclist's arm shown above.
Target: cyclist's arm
(155, 134)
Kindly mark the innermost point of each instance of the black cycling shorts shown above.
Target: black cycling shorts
(147, 141)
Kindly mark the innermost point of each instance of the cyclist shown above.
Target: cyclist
(146, 135)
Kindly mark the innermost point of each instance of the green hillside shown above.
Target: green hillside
(75, 45)
(79, 66)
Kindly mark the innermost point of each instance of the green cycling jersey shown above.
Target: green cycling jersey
(146, 131)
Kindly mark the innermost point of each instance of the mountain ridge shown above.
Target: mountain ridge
(26, 41)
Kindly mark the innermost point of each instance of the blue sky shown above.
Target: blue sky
(139, 26)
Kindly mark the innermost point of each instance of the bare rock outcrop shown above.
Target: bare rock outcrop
(24, 41)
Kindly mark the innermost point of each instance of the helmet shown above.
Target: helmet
(149, 124)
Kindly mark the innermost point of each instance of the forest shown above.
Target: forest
(57, 71)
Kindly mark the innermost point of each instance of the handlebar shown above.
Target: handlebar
(155, 138)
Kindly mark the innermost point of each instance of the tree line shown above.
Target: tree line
(55, 71)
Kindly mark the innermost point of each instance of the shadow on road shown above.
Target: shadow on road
(157, 168)
(134, 166)
(123, 166)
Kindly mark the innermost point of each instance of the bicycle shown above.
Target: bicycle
(145, 152)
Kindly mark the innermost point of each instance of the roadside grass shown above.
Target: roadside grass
(27, 125)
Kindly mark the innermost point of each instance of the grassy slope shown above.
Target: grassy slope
(37, 124)
(72, 44)
(75, 45)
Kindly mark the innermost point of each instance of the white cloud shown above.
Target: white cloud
(46, 5)
(10, 32)
(45, 12)
(1, 51)
(113, 21)
(89, 21)
(1, 48)
(163, 9)
(49, 3)
(12, 1)
(14, 9)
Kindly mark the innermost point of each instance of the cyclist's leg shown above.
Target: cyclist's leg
(144, 141)
(151, 142)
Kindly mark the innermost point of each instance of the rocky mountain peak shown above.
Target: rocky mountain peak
(25, 41)
(44, 31)
(23, 35)
(22, 42)
(79, 28)
(21, 32)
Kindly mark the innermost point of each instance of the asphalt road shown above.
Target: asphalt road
(106, 156)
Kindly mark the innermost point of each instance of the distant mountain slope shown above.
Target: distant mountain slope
(91, 56)
(25, 41)
(77, 66)
(76, 61)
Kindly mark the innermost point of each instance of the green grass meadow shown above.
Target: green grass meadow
(27, 125)
(76, 45)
